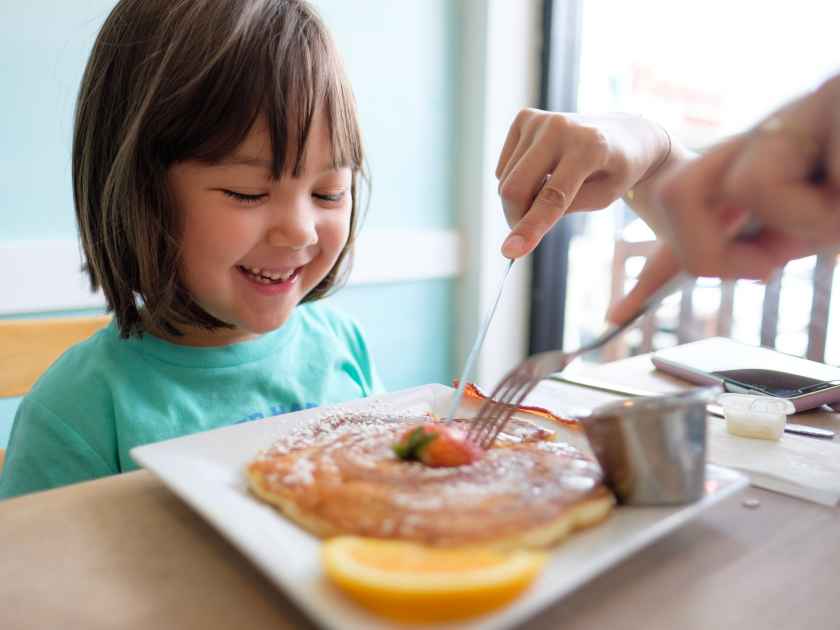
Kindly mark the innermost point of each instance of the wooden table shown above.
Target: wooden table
(124, 552)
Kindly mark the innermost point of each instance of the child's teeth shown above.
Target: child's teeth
(268, 276)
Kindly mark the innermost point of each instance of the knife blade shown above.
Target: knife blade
(479, 339)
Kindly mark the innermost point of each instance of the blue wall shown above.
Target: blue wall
(402, 61)
(44, 46)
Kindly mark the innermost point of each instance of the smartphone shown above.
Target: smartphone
(747, 369)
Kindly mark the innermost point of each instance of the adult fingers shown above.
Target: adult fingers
(511, 141)
(801, 210)
(757, 260)
(522, 138)
(832, 156)
(551, 202)
(690, 197)
(782, 247)
(598, 191)
(523, 176)
(524, 146)
(703, 227)
(774, 178)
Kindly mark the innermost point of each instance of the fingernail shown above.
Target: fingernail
(513, 246)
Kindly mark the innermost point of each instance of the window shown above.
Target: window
(704, 70)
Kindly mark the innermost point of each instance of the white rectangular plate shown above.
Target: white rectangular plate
(207, 471)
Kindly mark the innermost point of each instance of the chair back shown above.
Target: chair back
(29, 346)
(690, 327)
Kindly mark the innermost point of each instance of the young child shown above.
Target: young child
(216, 165)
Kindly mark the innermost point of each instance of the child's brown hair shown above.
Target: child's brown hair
(172, 80)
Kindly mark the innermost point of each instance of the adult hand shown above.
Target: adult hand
(556, 163)
(783, 175)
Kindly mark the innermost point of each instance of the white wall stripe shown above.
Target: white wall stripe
(500, 48)
(45, 275)
(402, 255)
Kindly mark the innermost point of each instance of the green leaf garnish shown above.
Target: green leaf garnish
(411, 446)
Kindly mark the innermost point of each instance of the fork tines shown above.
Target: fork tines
(497, 410)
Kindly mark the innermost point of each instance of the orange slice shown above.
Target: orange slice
(411, 582)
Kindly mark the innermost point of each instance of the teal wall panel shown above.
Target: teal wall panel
(408, 328)
(44, 45)
(402, 59)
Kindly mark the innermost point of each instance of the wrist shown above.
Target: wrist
(665, 148)
(671, 155)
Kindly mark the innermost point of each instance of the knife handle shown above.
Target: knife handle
(801, 429)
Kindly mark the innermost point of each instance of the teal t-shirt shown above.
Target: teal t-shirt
(107, 395)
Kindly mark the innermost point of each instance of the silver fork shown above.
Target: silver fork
(518, 383)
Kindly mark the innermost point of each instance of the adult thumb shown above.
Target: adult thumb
(660, 267)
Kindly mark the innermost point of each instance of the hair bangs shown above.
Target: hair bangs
(283, 67)
(310, 81)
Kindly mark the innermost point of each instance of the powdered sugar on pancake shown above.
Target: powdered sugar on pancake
(342, 471)
(328, 428)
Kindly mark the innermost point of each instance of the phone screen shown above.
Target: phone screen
(750, 369)
(782, 384)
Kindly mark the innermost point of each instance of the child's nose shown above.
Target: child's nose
(293, 227)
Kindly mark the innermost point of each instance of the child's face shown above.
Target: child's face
(253, 247)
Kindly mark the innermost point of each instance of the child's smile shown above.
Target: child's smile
(252, 246)
(271, 282)
(268, 276)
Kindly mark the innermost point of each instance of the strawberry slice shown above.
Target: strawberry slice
(437, 445)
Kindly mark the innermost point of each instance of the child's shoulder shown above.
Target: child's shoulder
(324, 322)
(82, 367)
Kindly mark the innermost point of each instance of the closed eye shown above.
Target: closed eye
(331, 197)
(243, 197)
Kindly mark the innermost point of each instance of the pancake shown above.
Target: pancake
(471, 390)
(341, 476)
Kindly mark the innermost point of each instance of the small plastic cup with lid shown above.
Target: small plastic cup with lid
(755, 416)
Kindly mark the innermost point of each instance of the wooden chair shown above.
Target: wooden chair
(623, 251)
(29, 346)
(690, 328)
